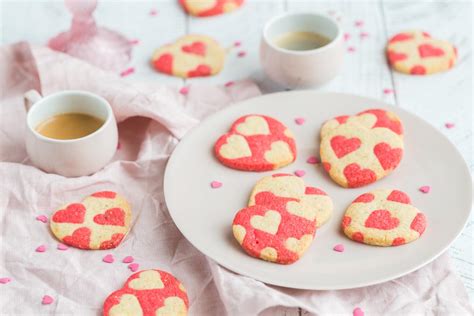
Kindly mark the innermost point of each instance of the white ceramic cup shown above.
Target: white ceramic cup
(72, 157)
(304, 68)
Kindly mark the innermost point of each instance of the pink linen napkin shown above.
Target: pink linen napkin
(152, 119)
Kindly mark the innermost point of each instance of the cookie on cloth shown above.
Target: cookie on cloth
(361, 149)
(100, 221)
(256, 143)
(383, 218)
(417, 53)
(148, 293)
(190, 56)
(281, 220)
(311, 203)
(203, 8)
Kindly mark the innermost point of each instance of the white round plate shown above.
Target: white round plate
(205, 215)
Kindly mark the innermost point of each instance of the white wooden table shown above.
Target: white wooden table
(439, 98)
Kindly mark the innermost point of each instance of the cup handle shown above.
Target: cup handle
(30, 98)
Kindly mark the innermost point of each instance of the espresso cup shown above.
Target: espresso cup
(71, 157)
(302, 68)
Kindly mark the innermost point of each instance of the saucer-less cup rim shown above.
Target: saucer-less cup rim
(46, 99)
(292, 15)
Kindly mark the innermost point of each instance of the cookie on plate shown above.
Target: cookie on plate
(361, 149)
(383, 218)
(203, 8)
(100, 221)
(256, 143)
(190, 56)
(148, 292)
(417, 53)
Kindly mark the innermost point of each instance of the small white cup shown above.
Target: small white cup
(72, 157)
(305, 68)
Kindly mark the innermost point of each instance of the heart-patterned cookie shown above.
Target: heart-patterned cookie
(361, 149)
(190, 56)
(417, 53)
(281, 220)
(100, 221)
(148, 293)
(203, 8)
(383, 218)
(256, 143)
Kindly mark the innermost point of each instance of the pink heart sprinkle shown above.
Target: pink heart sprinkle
(5, 280)
(359, 23)
(42, 218)
(312, 160)
(351, 49)
(184, 90)
(128, 259)
(133, 267)
(41, 248)
(108, 259)
(62, 247)
(299, 120)
(364, 35)
(118, 145)
(153, 12)
(347, 36)
(241, 54)
(387, 91)
(134, 41)
(425, 189)
(47, 300)
(237, 43)
(339, 248)
(358, 312)
(216, 184)
(449, 125)
(300, 173)
(228, 84)
(127, 72)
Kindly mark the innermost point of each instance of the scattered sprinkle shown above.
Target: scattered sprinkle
(128, 259)
(312, 160)
(41, 248)
(387, 91)
(351, 49)
(449, 125)
(228, 84)
(118, 145)
(62, 247)
(47, 300)
(241, 54)
(237, 43)
(364, 35)
(338, 19)
(134, 41)
(299, 120)
(425, 189)
(358, 312)
(332, 12)
(5, 280)
(108, 259)
(359, 23)
(127, 72)
(42, 218)
(347, 36)
(133, 267)
(216, 184)
(184, 90)
(338, 248)
(153, 12)
(300, 173)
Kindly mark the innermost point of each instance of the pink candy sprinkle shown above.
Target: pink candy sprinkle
(118, 145)
(5, 280)
(449, 125)
(127, 72)
(237, 43)
(347, 36)
(312, 160)
(358, 312)
(332, 12)
(339, 248)
(41, 248)
(359, 23)
(133, 267)
(228, 84)
(351, 49)
(47, 300)
(134, 41)
(216, 184)
(62, 247)
(387, 91)
(184, 90)
(42, 218)
(128, 259)
(425, 189)
(153, 12)
(108, 259)
(299, 120)
(300, 173)
(364, 35)
(241, 54)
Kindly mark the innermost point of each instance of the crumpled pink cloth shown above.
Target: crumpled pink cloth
(152, 119)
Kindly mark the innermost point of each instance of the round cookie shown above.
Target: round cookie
(361, 149)
(310, 202)
(100, 221)
(383, 218)
(148, 293)
(256, 143)
(204, 8)
(417, 53)
(190, 56)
